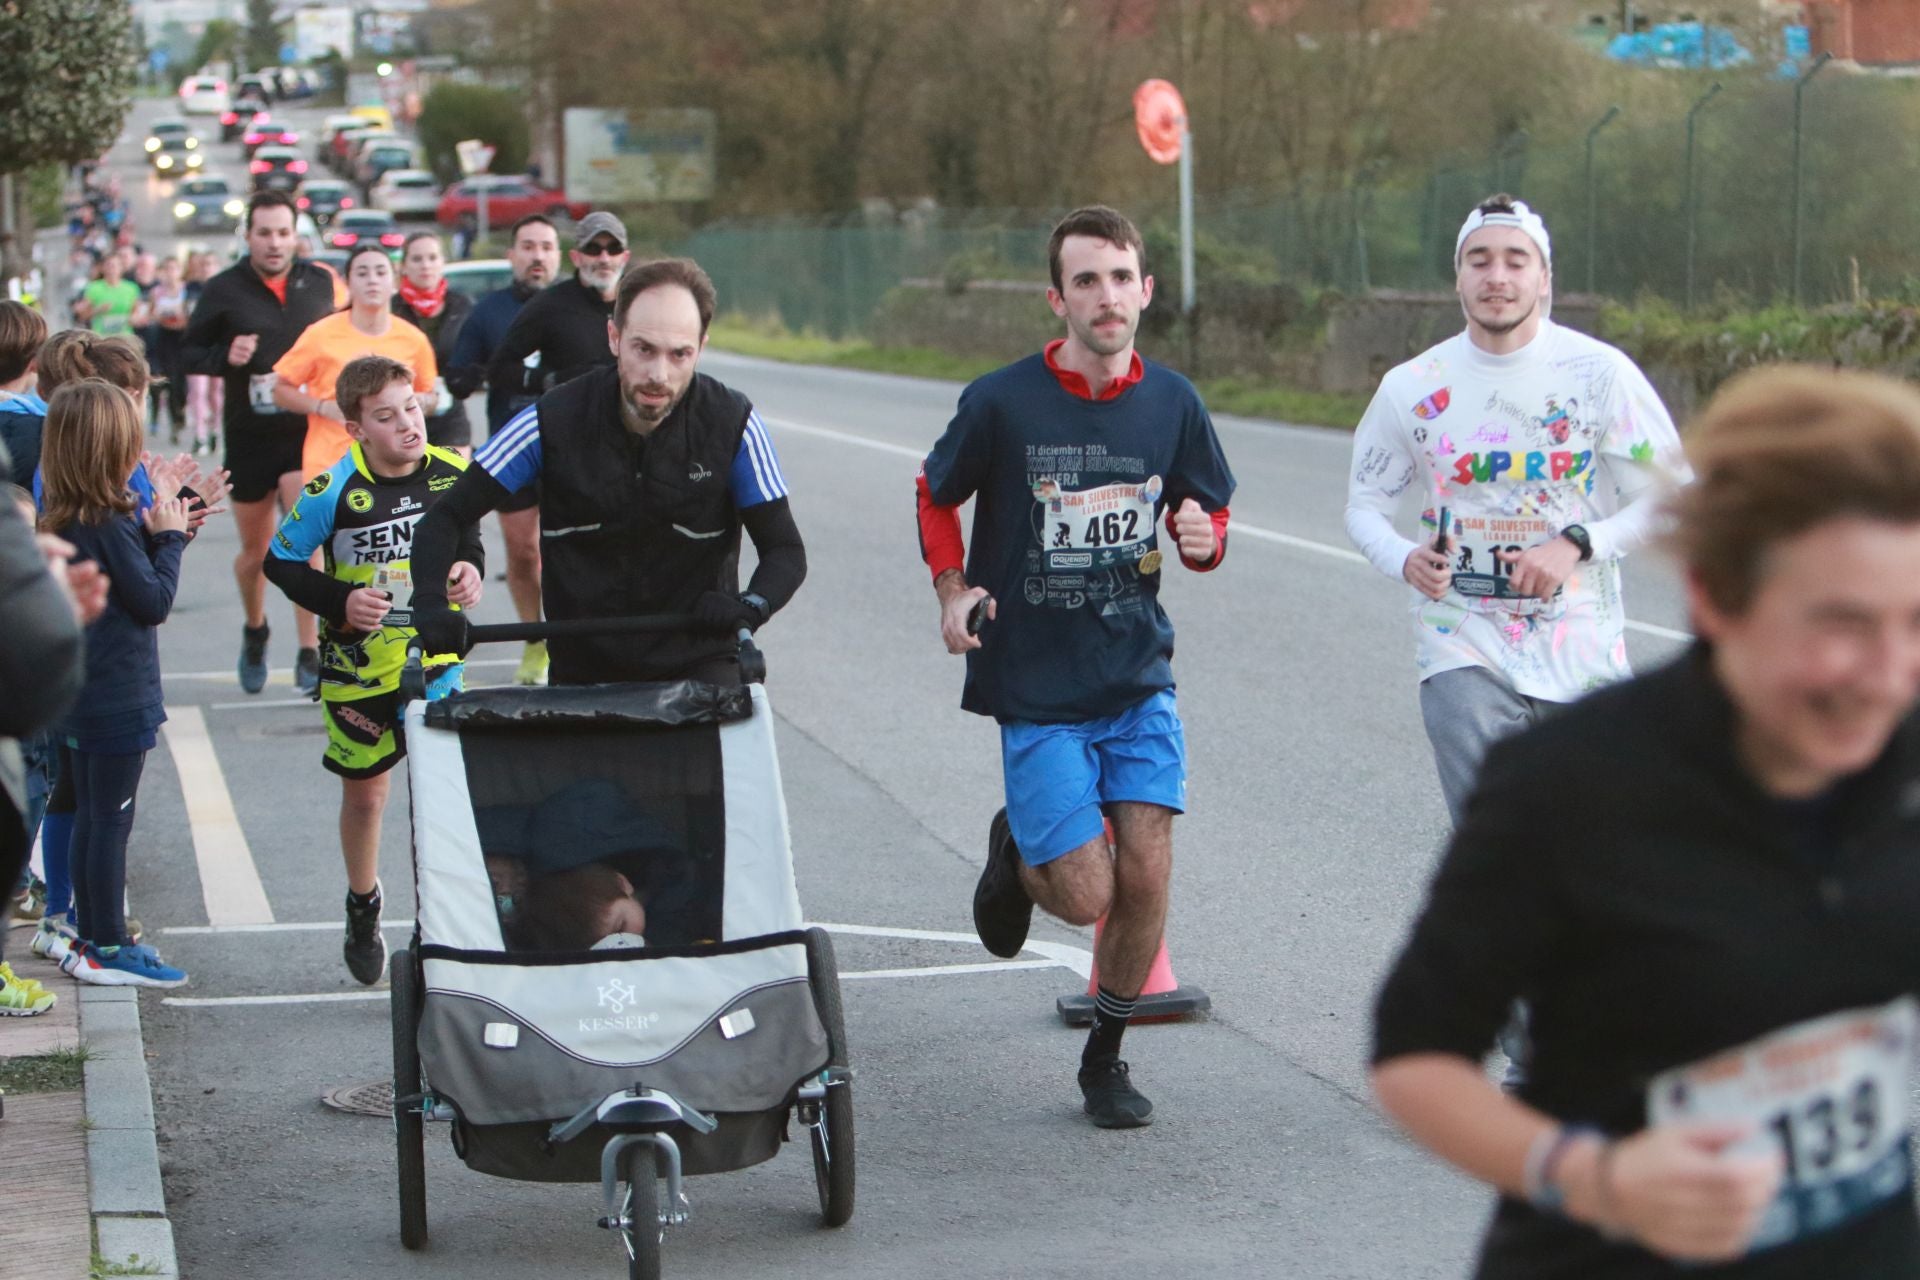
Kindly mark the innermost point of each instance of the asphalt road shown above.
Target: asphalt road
(1313, 825)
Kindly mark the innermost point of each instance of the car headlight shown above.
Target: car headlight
(193, 161)
(183, 210)
(163, 162)
(192, 143)
(234, 208)
(153, 144)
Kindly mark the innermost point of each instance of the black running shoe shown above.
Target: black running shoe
(365, 950)
(1002, 909)
(253, 658)
(1111, 1099)
(306, 672)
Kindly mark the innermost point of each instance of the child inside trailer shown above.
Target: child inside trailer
(595, 866)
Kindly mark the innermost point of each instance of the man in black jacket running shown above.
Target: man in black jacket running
(567, 324)
(248, 317)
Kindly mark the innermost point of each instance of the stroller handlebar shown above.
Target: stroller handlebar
(753, 664)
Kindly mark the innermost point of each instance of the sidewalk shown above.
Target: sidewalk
(58, 1223)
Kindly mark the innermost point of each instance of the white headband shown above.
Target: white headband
(1522, 217)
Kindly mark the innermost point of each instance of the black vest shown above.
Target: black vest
(633, 525)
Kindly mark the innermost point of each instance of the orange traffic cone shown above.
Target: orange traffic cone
(1162, 999)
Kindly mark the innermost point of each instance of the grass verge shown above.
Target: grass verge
(58, 1072)
(1244, 397)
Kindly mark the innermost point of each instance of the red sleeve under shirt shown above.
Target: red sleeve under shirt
(943, 547)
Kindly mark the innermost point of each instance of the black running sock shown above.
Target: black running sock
(1110, 1015)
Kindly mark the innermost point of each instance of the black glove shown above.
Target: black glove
(721, 611)
(441, 629)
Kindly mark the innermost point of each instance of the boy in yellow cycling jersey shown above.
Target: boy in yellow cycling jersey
(360, 514)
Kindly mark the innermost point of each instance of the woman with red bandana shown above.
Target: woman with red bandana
(426, 302)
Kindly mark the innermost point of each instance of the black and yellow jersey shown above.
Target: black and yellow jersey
(362, 524)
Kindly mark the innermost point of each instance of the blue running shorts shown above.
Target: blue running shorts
(1058, 775)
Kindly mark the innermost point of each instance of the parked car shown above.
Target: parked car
(206, 202)
(509, 199)
(203, 96)
(323, 198)
(406, 193)
(382, 157)
(255, 85)
(242, 116)
(477, 277)
(177, 153)
(268, 132)
(355, 227)
(277, 169)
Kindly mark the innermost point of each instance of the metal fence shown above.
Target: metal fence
(1699, 207)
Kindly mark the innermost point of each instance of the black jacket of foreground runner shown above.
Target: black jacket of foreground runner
(630, 525)
(1622, 871)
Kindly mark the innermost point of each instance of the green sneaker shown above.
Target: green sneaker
(533, 664)
(22, 997)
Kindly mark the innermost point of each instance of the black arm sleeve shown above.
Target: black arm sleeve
(316, 592)
(783, 557)
(203, 347)
(522, 340)
(449, 529)
(472, 549)
(40, 666)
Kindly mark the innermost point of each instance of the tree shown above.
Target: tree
(71, 67)
(219, 42)
(263, 35)
(454, 112)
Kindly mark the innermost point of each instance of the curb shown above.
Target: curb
(125, 1194)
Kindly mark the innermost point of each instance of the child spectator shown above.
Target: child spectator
(91, 447)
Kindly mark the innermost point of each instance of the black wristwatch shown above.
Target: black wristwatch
(1577, 535)
(757, 603)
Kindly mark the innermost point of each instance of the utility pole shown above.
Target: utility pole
(1799, 176)
(1593, 216)
(1693, 206)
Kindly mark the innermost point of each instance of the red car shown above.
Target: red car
(508, 201)
(267, 133)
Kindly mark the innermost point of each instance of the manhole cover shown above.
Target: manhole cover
(368, 1098)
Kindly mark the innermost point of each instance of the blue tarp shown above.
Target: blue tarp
(1688, 45)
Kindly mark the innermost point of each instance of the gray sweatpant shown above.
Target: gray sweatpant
(1466, 711)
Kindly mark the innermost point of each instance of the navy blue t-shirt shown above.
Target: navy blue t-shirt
(1070, 495)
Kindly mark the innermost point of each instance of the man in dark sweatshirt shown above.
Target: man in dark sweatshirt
(534, 255)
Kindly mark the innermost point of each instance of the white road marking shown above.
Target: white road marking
(304, 926)
(941, 970)
(229, 882)
(1240, 527)
(1058, 955)
(323, 997)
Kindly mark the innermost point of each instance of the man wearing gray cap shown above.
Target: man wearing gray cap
(567, 324)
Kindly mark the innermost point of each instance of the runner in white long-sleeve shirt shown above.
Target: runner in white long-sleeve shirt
(1549, 450)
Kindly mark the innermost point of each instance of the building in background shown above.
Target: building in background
(1874, 33)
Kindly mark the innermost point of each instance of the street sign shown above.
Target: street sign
(613, 158)
(474, 155)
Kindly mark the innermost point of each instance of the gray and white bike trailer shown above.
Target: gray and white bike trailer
(559, 1044)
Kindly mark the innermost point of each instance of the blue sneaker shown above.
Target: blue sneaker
(131, 965)
(253, 658)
